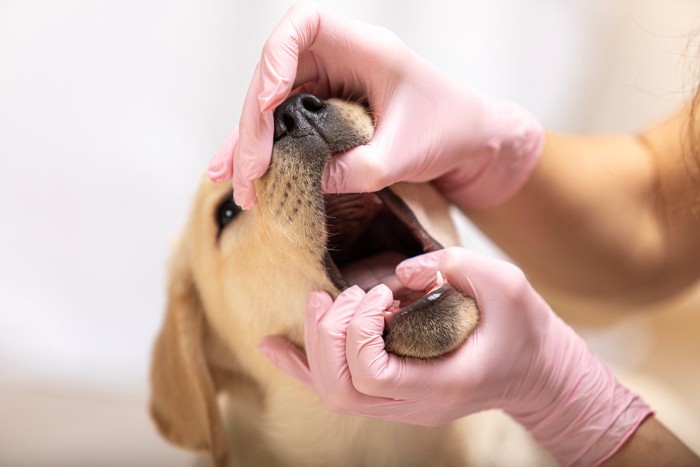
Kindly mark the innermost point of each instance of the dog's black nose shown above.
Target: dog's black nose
(300, 115)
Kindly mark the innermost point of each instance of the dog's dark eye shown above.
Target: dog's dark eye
(227, 211)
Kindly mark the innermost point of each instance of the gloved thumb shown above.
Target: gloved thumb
(359, 170)
(287, 357)
(455, 265)
(419, 272)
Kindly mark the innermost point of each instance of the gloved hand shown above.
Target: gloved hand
(479, 150)
(521, 358)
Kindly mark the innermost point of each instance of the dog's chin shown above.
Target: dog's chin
(369, 234)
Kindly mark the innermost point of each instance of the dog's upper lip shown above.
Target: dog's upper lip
(318, 131)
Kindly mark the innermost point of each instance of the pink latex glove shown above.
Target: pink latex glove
(479, 150)
(521, 358)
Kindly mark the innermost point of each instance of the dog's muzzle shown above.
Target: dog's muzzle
(369, 234)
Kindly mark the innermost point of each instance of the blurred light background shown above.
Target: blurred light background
(110, 111)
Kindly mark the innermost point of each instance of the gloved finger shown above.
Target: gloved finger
(253, 152)
(253, 166)
(377, 374)
(478, 276)
(287, 357)
(271, 83)
(359, 170)
(369, 167)
(364, 332)
(287, 62)
(365, 351)
(307, 70)
(419, 272)
(317, 304)
(243, 190)
(221, 165)
(278, 62)
(455, 264)
(324, 329)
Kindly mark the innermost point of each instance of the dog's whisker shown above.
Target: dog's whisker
(260, 240)
(264, 247)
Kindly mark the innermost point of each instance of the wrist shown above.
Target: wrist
(580, 413)
(581, 433)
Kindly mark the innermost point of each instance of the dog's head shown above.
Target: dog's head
(240, 275)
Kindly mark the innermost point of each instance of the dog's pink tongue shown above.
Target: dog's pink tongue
(380, 269)
(375, 270)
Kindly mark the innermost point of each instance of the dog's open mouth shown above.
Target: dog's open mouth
(369, 234)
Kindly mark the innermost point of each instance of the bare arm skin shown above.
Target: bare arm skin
(606, 217)
(653, 445)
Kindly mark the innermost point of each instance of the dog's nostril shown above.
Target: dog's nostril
(290, 123)
(311, 103)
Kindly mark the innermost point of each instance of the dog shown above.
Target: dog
(237, 276)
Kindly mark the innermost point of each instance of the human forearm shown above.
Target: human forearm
(653, 445)
(587, 221)
(607, 217)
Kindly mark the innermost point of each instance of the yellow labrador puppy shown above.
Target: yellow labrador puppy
(238, 276)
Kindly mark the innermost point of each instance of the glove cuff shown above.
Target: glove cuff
(617, 435)
(591, 420)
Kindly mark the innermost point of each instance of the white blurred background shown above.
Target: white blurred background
(110, 111)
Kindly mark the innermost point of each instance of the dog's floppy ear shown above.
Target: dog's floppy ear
(183, 397)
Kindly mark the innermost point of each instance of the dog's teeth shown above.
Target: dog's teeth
(395, 306)
(439, 280)
(436, 284)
